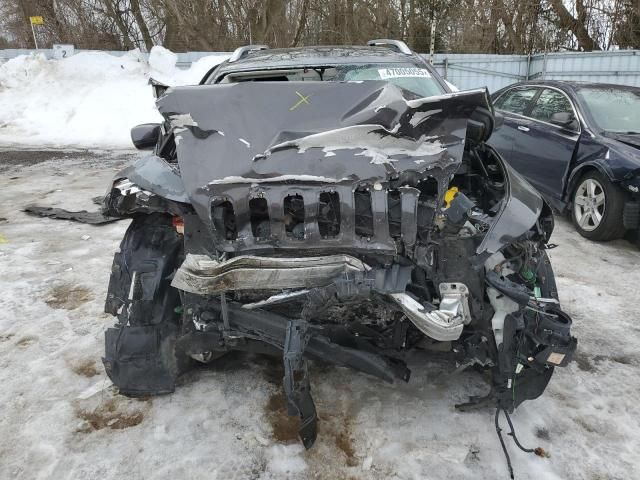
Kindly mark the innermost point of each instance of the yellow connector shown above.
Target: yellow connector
(449, 196)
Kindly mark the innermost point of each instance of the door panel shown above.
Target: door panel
(511, 104)
(543, 150)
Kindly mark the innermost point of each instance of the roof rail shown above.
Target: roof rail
(241, 52)
(398, 45)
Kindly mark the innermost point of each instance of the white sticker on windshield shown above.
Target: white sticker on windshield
(401, 72)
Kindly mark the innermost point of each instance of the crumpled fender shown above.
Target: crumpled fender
(518, 214)
(155, 175)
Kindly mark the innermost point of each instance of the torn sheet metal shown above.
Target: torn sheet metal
(346, 136)
(441, 325)
(81, 216)
(202, 275)
(155, 175)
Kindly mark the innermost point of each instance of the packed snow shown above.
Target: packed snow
(62, 419)
(91, 99)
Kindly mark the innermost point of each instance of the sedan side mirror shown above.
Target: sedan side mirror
(145, 136)
(564, 119)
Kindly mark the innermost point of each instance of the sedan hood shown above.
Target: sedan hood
(631, 140)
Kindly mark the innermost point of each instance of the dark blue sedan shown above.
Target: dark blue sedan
(579, 145)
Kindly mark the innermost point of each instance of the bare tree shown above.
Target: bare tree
(488, 26)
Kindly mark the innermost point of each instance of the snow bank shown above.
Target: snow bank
(91, 99)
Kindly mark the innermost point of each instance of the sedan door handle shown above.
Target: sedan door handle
(522, 128)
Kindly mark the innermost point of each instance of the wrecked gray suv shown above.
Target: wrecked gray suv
(337, 204)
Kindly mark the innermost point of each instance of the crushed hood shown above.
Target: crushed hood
(237, 141)
(255, 131)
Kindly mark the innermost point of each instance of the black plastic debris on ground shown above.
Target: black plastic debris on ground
(82, 216)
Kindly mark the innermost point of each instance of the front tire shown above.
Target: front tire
(140, 354)
(597, 206)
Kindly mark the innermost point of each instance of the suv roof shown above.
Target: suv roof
(313, 56)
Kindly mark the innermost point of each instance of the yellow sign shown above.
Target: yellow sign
(37, 20)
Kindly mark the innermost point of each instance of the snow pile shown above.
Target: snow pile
(91, 99)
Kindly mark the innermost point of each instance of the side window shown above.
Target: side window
(550, 102)
(516, 100)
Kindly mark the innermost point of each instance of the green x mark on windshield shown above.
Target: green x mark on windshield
(303, 99)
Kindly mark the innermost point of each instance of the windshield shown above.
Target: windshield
(407, 76)
(613, 109)
(412, 78)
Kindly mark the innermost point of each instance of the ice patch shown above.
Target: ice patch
(285, 459)
(92, 390)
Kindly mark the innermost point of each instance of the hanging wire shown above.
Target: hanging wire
(504, 447)
(512, 433)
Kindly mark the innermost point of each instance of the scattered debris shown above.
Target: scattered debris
(541, 452)
(82, 216)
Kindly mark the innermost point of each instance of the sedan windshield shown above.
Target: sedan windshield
(613, 109)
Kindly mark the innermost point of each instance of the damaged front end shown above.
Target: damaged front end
(350, 228)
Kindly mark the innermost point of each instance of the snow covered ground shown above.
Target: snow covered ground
(91, 99)
(62, 419)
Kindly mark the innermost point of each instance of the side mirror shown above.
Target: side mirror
(498, 120)
(564, 119)
(145, 136)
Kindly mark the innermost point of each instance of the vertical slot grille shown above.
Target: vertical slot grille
(259, 217)
(224, 219)
(394, 213)
(329, 214)
(294, 216)
(363, 213)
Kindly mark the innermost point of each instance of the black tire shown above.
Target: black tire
(149, 254)
(609, 226)
(140, 355)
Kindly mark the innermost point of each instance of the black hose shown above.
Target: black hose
(504, 447)
(513, 434)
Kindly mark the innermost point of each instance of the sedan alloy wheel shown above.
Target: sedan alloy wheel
(589, 204)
